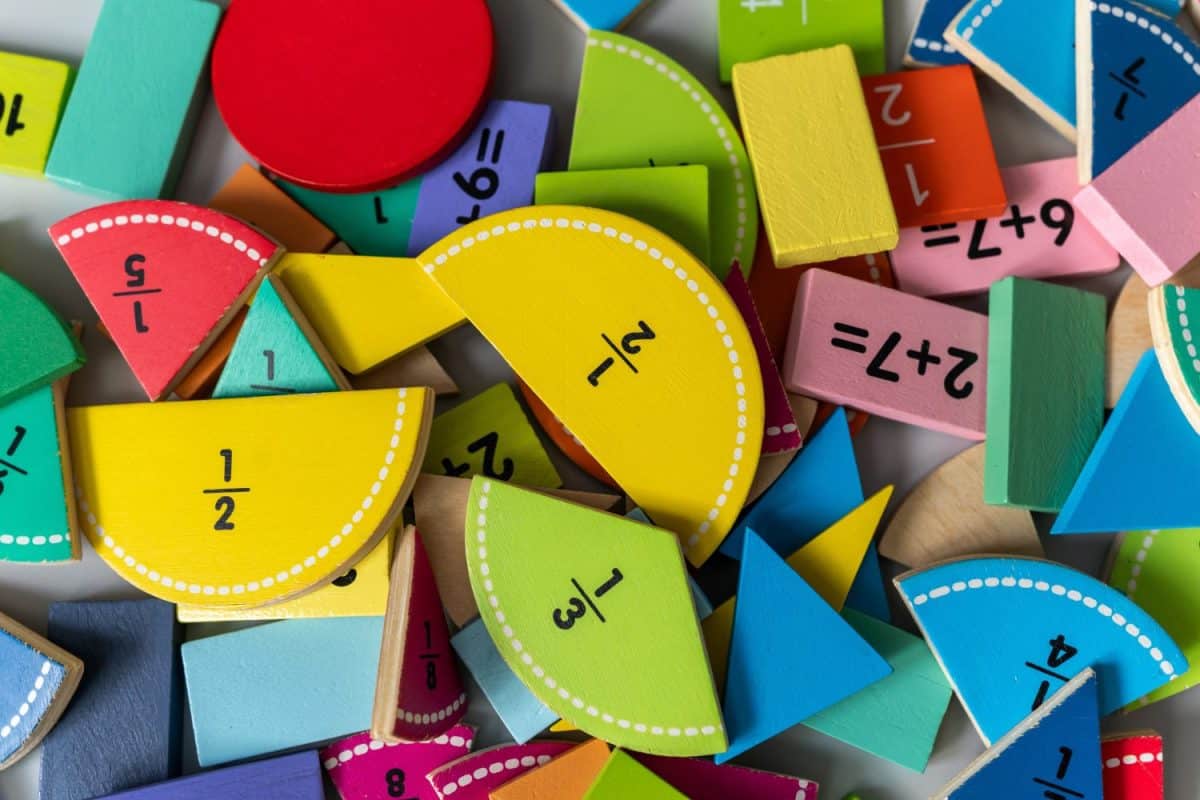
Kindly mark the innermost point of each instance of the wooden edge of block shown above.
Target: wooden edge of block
(309, 332)
(1164, 350)
(395, 626)
(1110, 559)
(416, 367)
(1084, 113)
(68, 474)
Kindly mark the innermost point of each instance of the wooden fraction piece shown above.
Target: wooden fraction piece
(489, 435)
(418, 692)
(562, 437)
(440, 508)
(1045, 398)
(440, 65)
(1134, 70)
(910, 359)
(251, 196)
(1040, 236)
(1036, 62)
(1153, 568)
(1139, 474)
(164, 278)
(820, 180)
(1046, 624)
(1172, 309)
(567, 777)
(361, 591)
(935, 145)
(417, 367)
(345, 297)
(239, 537)
(375, 223)
(701, 779)
(39, 679)
(639, 108)
(631, 285)
(34, 91)
(1133, 766)
(123, 729)
(624, 777)
(1144, 204)
(1055, 751)
(292, 777)
(362, 768)
(149, 62)
(672, 199)
(780, 430)
(200, 381)
(927, 46)
(279, 686)
(37, 346)
(37, 504)
(608, 15)
(560, 585)
(474, 776)
(765, 696)
(946, 517)
(750, 30)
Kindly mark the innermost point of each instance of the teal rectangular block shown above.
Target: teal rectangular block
(280, 686)
(371, 223)
(129, 119)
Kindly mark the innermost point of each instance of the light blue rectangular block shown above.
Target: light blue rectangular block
(521, 712)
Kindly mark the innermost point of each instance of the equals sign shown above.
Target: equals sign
(850, 330)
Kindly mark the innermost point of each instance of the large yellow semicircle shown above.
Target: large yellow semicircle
(631, 342)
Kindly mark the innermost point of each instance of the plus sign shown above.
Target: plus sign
(923, 357)
(1017, 221)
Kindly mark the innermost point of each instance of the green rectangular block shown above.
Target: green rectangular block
(1045, 391)
(129, 119)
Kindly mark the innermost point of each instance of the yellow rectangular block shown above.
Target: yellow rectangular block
(32, 94)
(820, 180)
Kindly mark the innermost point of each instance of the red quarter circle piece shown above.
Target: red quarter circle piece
(351, 97)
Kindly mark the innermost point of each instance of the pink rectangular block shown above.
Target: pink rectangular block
(1040, 236)
(1148, 203)
(888, 353)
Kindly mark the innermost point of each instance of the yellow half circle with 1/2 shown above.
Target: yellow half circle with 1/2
(244, 502)
(631, 342)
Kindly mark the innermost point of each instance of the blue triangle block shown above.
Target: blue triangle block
(1055, 752)
(867, 593)
(604, 15)
(780, 663)
(1141, 474)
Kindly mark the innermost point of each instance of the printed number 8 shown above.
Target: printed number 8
(395, 782)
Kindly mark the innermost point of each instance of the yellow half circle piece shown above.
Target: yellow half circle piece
(245, 502)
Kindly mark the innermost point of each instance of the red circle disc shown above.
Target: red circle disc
(351, 95)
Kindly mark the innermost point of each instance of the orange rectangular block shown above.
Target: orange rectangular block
(936, 149)
(249, 196)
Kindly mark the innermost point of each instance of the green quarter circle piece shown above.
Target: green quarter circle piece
(36, 346)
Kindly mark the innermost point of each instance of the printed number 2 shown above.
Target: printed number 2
(225, 505)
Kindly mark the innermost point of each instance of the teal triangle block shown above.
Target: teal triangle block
(790, 656)
(1142, 472)
(1055, 752)
(272, 355)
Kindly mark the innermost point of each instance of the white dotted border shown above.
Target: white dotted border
(1058, 590)
(978, 19)
(165, 219)
(1139, 558)
(99, 537)
(1131, 759)
(736, 160)
(495, 768)
(418, 718)
(431, 264)
(34, 541)
(776, 430)
(1184, 324)
(30, 699)
(1173, 42)
(933, 45)
(527, 659)
(362, 748)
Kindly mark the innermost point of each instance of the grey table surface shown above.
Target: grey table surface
(539, 54)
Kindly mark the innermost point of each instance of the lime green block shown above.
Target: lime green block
(1045, 391)
(672, 199)
(371, 223)
(35, 521)
(623, 778)
(32, 93)
(898, 717)
(1157, 570)
(750, 30)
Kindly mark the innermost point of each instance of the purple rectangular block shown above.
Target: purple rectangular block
(492, 171)
(294, 777)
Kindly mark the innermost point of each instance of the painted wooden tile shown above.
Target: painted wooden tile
(1048, 623)
(567, 777)
(927, 46)
(251, 196)
(39, 679)
(223, 476)
(820, 181)
(631, 113)
(889, 353)
(701, 779)
(1040, 235)
(147, 61)
(565, 346)
(123, 729)
(291, 777)
(377, 223)
(202, 378)
(32, 94)
(279, 686)
(462, 778)
(935, 145)
(38, 346)
(567, 442)
(362, 768)
(623, 776)
(1133, 766)
(1172, 309)
(609, 15)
